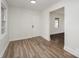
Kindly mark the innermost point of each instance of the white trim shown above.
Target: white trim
(2, 36)
(46, 38)
(4, 4)
(2, 53)
(21, 38)
(15, 39)
(72, 51)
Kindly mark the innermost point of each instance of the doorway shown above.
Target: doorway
(57, 27)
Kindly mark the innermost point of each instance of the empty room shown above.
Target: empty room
(39, 29)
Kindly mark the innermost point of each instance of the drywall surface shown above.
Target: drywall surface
(71, 26)
(3, 45)
(60, 28)
(4, 41)
(46, 19)
(21, 21)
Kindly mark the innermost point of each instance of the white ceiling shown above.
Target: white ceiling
(60, 11)
(40, 5)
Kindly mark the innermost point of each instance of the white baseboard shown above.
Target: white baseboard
(46, 38)
(21, 38)
(2, 53)
(72, 51)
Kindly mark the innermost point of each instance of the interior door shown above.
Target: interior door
(35, 26)
(29, 27)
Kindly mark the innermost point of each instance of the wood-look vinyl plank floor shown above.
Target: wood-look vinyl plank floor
(36, 47)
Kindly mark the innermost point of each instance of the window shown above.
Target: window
(3, 19)
(56, 22)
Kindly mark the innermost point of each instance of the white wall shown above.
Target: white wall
(4, 41)
(3, 45)
(60, 29)
(71, 26)
(45, 19)
(20, 23)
